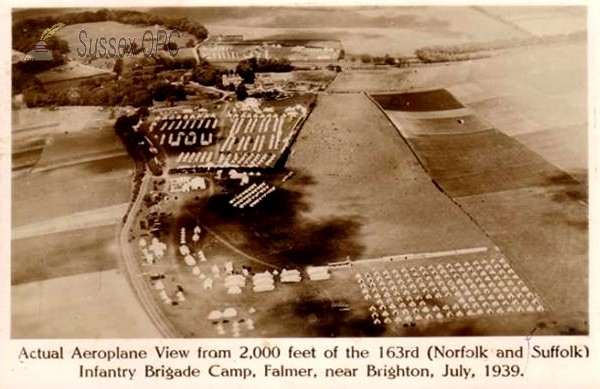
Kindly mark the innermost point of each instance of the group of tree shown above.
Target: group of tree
(157, 79)
(136, 143)
(378, 60)
(205, 73)
(138, 89)
(247, 68)
(166, 62)
(26, 33)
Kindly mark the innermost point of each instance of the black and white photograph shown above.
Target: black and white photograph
(299, 171)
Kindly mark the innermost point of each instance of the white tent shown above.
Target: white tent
(189, 260)
(234, 290)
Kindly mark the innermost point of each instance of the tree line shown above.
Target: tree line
(474, 50)
(247, 68)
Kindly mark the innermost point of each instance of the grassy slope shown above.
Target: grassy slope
(63, 254)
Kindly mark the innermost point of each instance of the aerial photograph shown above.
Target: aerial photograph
(257, 172)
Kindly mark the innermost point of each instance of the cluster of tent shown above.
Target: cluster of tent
(263, 282)
(160, 287)
(234, 283)
(186, 184)
(470, 288)
(220, 317)
(154, 251)
(288, 276)
(318, 273)
(255, 139)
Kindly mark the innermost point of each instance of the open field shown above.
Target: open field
(546, 20)
(328, 211)
(434, 100)
(64, 253)
(411, 126)
(43, 122)
(32, 130)
(90, 305)
(545, 232)
(78, 147)
(71, 71)
(564, 147)
(509, 92)
(482, 162)
(376, 31)
(88, 219)
(533, 211)
(86, 186)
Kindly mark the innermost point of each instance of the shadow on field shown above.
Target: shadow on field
(276, 231)
(574, 191)
(320, 319)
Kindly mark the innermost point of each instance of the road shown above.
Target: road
(134, 272)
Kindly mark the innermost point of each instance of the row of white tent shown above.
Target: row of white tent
(202, 122)
(249, 124)
(252, 160)
(252, 195)
(195, 158)
(188, 138)
(407, 317)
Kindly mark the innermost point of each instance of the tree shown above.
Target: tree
(118, 68)
(171, 46)
(241, 92)
(190, 43)
(365, 58)
(245, 69)
(205, 73)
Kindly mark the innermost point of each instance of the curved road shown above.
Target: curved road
(134, 272)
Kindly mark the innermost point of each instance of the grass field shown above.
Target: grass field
(564, 147)
(372, 30)
(413, 127)
(90, 305)
(89, 185)
(434, 100)
(64, 254)
(547, 20)
(482, 162)
(328, 210)
(77, 147)
(545, 233)
(533, 211)
(71, 70)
